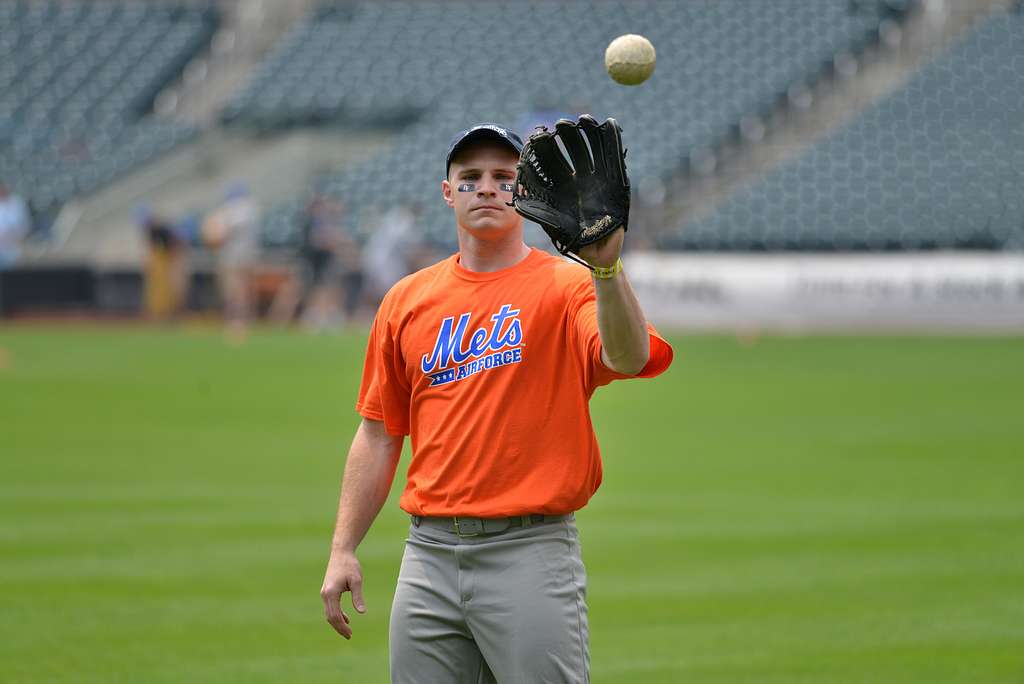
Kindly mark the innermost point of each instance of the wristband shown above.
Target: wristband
(607, 273)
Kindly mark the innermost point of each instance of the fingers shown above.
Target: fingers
(356, 586)
(336, 617)
(575, 147)
(614, 155)
(589, 127)
(552, 161)
(343, 628)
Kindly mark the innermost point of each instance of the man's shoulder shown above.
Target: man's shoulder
(417, 282)
(565, 275)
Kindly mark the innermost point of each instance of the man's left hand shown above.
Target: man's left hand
(605, 252)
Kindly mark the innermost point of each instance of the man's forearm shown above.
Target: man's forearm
(369, 472)
(625, 343)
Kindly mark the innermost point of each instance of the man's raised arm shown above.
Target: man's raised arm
(625, 343)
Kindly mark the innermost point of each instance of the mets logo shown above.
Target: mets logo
(484, 350)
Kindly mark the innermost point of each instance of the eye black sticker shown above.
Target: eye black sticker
(471, 187)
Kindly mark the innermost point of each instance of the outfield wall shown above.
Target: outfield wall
(953, 292)
(900, 291)
(81, 288)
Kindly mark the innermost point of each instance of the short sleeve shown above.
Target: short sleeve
(384, 392)
(587, 340)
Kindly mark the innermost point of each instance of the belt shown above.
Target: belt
(474, 527)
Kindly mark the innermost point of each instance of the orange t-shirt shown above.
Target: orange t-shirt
(491, 374)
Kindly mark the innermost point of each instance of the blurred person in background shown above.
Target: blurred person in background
(386, 255)
(166, 272)
(15, 224)
(332, 263)
(232, 230)
(350, 276)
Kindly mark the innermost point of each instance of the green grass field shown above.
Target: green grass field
(797, 510)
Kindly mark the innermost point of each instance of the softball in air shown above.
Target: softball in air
(629, 59)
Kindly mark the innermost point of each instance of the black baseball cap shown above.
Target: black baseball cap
(483, 131)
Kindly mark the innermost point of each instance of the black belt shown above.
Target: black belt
(473, 527)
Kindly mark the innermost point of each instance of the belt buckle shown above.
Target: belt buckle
(472, 527)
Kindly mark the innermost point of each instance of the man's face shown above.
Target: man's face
(479, 186)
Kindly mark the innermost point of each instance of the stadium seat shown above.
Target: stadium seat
(445, 65)
(77, 80)
(938, 164)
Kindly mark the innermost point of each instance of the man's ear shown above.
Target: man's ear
(446, 192)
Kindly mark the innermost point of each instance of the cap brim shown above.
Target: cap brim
(476, 136)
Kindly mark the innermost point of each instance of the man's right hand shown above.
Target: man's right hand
(343, 574)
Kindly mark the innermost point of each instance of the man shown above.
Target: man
(488, 360)
(386, 256)
(166, 272)
(325, 247)
(14, 226)
(233, 231)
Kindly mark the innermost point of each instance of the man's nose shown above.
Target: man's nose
(488, 187)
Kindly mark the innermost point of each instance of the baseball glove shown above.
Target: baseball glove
(579, 200)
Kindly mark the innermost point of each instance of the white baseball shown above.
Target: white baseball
(630, 59)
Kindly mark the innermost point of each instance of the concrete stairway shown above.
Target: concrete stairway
(248, 31)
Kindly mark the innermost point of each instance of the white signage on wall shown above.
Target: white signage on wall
(904, 291)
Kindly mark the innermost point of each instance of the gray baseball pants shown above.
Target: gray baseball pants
(506, 607)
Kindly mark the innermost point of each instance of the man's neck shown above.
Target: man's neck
(486, 256)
